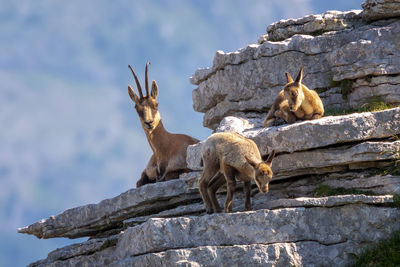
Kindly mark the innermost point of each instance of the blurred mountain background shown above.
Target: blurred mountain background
(69, 134)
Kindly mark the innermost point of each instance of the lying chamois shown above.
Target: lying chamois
(231, 155)
(169, 150)
(295, 102)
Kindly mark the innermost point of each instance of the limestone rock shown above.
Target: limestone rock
(77, 250)
(325, 226)
(284, 235)
(249, 79)
(116, 250)
(193, 157)
(333, 98)
(381, 88)
(327, 131)
(381, 9)
(313, 134)
(329, 160)
(105, 257)
(90, 219)
(307, 253)
(314, 24)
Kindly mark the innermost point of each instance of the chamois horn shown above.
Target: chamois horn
(147, 79)
(137, 82)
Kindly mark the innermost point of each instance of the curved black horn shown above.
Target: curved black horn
(147, 79)
(137, 82)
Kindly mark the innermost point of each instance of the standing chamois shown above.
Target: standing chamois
(227, 156)
(169, 150)
(295, 102)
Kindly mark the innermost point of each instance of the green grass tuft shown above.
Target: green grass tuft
(321, 90)
(346, 87)
(317, 33)
(396, 201)
(372, 106)
(385, 253)
(324, 190)
(393, 169)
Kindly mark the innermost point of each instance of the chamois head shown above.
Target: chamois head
(263, 172)
(293, 92)
(146, 106)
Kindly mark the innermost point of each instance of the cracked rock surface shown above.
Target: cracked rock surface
(353, 60)
(294, 232)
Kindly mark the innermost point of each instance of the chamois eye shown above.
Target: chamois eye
(293, 94)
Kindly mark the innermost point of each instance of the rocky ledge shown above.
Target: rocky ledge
(275, 236)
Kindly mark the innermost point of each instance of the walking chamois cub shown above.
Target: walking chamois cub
(169, 150)
(227, 156)
(295, 102)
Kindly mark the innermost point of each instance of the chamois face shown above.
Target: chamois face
(148, 113)
(263, 176)
(294, 95)
(146, 106)
(293, 92)
(263, 173)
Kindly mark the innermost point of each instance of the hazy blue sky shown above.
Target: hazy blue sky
(69, 133)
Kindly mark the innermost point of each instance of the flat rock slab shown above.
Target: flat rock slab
(327, 131)
(331, 159)
(380, 9)
(177, 233)
(359, 223)
(314, 24)
(306, 135)
(93, 218)
(62, 255)
(303, 253)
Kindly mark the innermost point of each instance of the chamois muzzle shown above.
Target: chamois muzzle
(149, 124)
(264, 189)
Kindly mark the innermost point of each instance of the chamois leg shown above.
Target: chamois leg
(216, 182)
(287, 115)
(230, 186)
(269, 120)
(149, 175)
(247, 192)
(206, 176)
(171, 175)
(144, 179)
(316, 116)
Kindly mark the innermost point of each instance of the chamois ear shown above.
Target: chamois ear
(251, 162)
(270, 158)
(288, 77)
(299, 76)
(133, 95)
(154, 90)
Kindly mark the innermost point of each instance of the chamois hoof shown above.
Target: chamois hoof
(160, 179)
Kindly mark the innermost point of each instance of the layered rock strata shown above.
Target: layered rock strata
(348, 61)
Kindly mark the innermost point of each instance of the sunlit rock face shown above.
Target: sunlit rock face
(347, 59)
